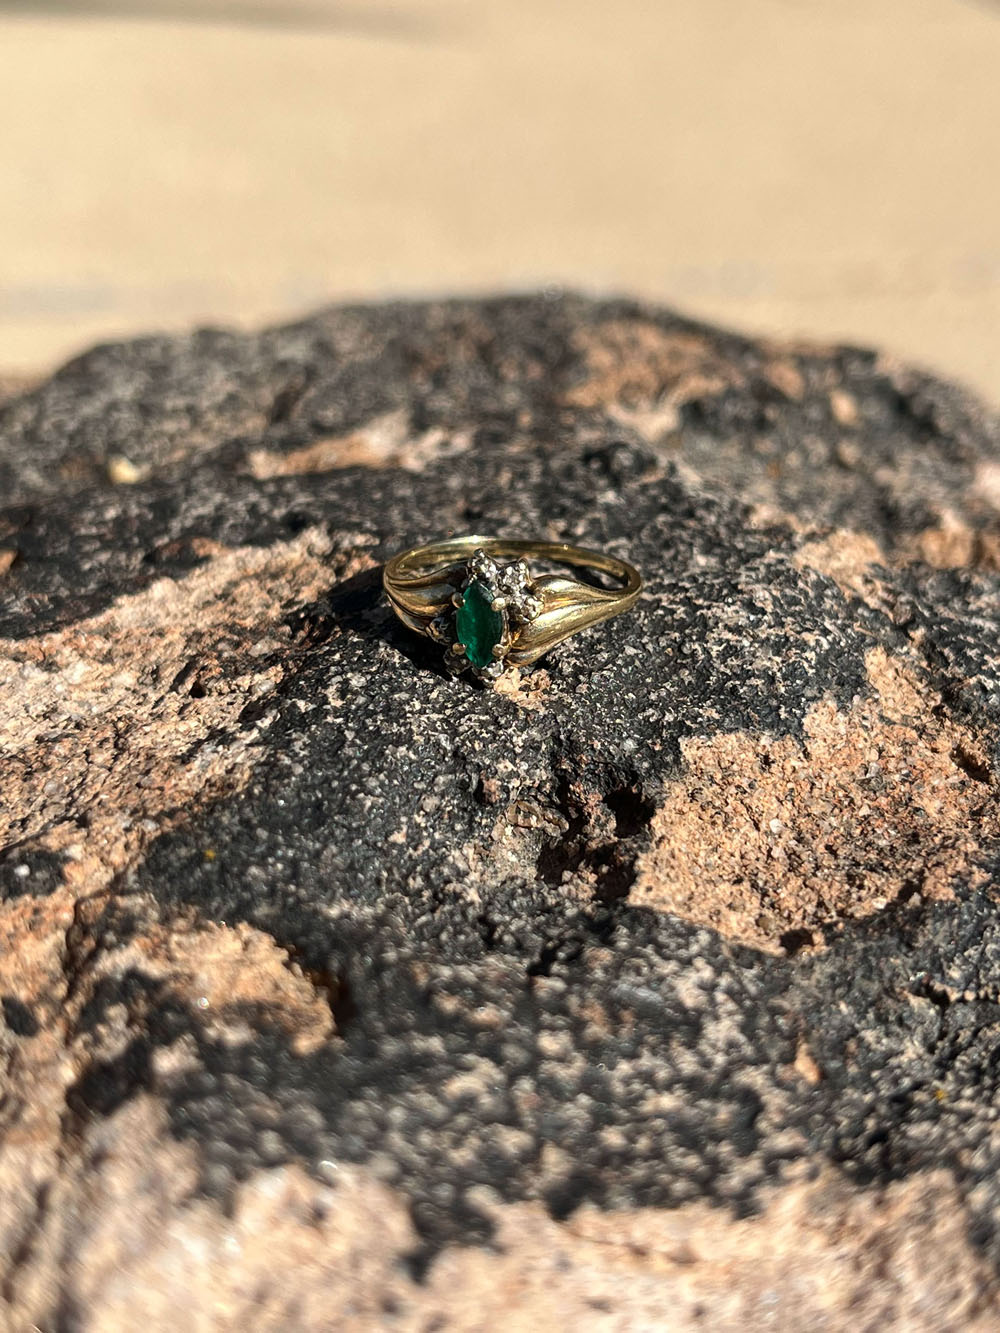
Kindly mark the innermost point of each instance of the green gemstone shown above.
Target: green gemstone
(478, 626)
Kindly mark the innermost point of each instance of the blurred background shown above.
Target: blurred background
(825, 168)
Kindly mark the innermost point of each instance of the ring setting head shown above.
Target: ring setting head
(491, 605)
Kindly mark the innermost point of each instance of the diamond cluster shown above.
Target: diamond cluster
(511, 583)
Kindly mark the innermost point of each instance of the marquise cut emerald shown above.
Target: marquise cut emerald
(478, 626)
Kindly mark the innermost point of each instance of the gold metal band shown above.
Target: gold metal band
(423, 582)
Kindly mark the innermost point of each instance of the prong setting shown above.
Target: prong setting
(505, 591)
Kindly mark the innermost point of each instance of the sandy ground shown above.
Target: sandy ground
(826, 168)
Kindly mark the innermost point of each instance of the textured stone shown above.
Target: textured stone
(566, 996)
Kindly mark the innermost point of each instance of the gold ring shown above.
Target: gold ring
(478, 598)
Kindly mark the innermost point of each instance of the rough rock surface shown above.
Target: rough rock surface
(661, 984)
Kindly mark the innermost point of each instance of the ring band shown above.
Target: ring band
(478, 597)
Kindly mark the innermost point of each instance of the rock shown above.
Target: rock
(657, 984)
